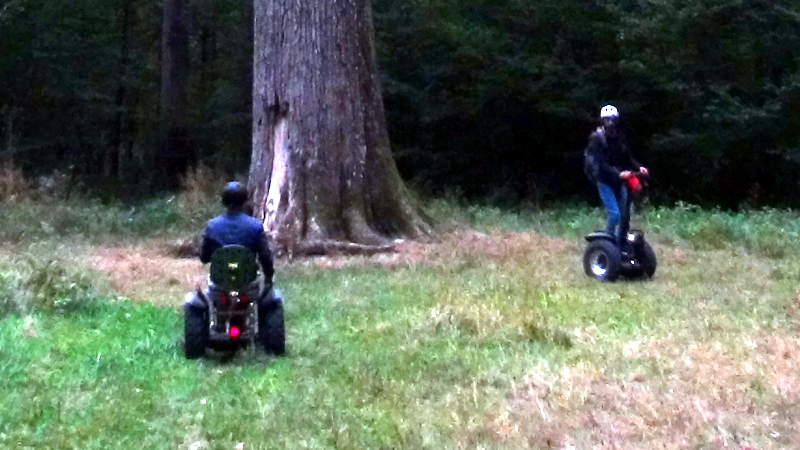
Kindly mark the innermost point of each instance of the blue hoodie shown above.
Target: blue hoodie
(237, 228)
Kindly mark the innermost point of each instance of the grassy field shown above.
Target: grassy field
(491, 338)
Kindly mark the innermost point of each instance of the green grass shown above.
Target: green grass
(430, 355)
(97, 222)
(769, 232)
(369, 366)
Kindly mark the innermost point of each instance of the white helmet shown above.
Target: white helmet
(609, 111)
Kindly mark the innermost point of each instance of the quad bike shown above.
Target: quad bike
(606, 261)
(236, 309)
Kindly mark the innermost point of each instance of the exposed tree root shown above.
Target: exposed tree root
(331, 247)
(190, 248)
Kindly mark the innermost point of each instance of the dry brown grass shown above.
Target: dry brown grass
(150, 272)
(199, 188)
(457, 246)
(13, 184)
(146, 273)
(744, 395)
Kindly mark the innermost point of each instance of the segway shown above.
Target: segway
(605, 260)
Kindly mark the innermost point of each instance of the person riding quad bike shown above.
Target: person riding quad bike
(237, 228)
(240, 304)
(609, 164)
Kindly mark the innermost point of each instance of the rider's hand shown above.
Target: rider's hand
(643, 170)
(625, 174)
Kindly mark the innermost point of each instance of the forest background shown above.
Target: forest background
(487, 100)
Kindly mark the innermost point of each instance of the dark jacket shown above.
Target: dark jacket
(238, 229)
(606, 156)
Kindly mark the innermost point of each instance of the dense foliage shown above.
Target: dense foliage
(502, 93)
(487, 98)
(81, 84)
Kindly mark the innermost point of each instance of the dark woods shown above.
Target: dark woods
(124, 95)
(488, 99)
(498, 97)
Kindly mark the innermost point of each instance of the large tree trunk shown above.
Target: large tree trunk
(174, 155)
(321, 171)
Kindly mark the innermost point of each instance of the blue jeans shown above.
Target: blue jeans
(617, 206)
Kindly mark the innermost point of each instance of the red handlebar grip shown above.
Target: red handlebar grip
(633, 183)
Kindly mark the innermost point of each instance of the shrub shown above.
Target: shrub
(200, 188)
(12, 183)
(46, 286)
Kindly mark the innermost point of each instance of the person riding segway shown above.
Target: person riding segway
(611, 167)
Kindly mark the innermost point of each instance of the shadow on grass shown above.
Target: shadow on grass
(237, 355)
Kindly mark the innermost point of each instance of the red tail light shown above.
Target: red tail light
(223, 299)
(234, 332)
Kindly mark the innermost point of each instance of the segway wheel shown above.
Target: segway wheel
(602, 260)
(195, 332)
(271, 330)
(648, 260)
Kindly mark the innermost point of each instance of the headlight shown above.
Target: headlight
(635, 238)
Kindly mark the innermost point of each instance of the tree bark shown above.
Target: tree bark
(174, 155)
(321, 169)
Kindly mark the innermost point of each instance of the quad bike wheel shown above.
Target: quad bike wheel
(271, 331)
(647, 259)
(602, 260)
(195, 332)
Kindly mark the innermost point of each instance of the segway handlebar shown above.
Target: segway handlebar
(634, 181)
